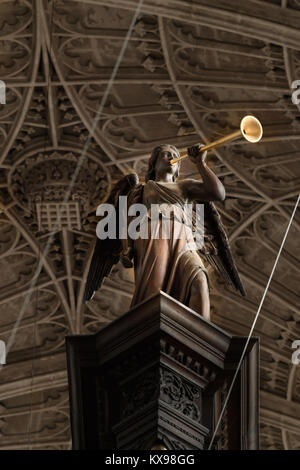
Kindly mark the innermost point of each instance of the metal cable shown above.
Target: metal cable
(76, 172)
(254, 323)
(39, 254)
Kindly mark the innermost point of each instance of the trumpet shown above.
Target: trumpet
(250, 128)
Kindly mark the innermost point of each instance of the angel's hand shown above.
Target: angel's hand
(195, 155)
(126, 258)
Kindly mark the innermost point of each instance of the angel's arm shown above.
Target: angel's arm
(210, 189)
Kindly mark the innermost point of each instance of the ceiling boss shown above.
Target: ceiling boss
(170, 261)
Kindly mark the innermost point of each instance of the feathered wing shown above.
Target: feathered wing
(219, 254)
(107, 252)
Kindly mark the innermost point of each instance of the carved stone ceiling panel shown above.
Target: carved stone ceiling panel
(190, 72)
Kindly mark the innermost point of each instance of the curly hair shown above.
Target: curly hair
(150, 175)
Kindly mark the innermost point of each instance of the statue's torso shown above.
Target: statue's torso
(152, 196)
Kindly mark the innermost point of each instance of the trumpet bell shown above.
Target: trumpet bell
(251, 129)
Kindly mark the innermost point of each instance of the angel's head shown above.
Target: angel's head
(160, 162)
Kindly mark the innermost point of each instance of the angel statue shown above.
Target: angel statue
(169, 264)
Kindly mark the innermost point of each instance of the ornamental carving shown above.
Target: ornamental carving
(180, 395)
(145, 390)
(46, 177)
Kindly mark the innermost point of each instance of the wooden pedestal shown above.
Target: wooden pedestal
(160, 373)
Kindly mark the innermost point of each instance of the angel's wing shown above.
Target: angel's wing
(107, 252)
(220, 256)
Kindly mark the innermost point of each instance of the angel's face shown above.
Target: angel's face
(163, 162)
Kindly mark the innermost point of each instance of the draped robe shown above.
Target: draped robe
(169, 264)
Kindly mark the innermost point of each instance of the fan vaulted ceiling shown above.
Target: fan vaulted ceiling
(188, 67)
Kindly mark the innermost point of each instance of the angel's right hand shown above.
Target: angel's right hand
(195, 155)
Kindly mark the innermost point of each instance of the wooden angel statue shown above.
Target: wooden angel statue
(170, 264)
